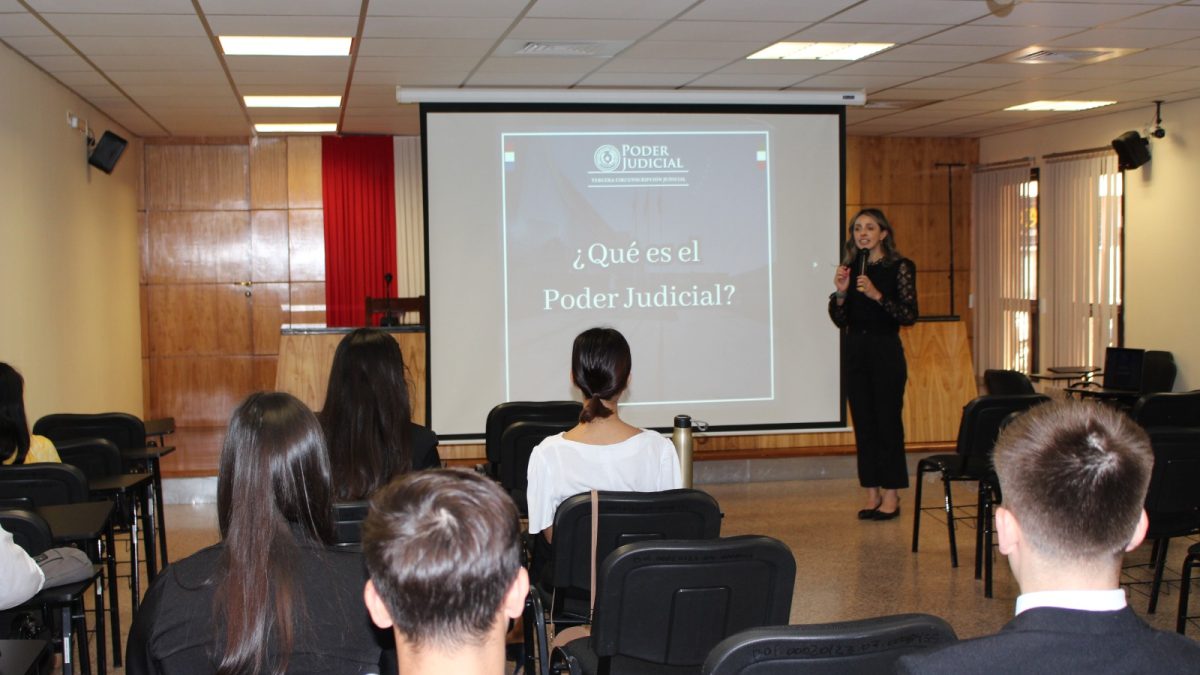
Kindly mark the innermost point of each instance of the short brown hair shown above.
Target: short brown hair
(442, 548)
(1074, 474)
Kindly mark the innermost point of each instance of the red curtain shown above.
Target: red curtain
(360, 223)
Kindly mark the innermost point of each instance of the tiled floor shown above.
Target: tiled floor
(846, 568)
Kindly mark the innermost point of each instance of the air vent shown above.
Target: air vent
(602, 49)
(1034, 56)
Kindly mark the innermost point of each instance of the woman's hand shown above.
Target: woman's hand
(841, 279)
(864, 286)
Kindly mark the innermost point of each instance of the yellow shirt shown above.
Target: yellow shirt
(41, 449)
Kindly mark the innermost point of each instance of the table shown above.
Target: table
(22, 656)
(120, 487)
(148, 457)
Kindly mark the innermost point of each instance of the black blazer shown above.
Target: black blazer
(1064, 641)
(423, 444)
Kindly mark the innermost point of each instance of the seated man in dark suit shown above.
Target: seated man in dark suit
(1074, 478)
(443, 549)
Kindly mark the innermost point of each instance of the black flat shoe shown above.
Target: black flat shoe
(868, 514)
(881, 515)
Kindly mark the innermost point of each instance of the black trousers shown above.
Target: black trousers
(876, 373)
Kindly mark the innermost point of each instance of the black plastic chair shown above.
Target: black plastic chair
(31, 533)
(44, 484)
(625, 518)
(95, 457)
(661, 606)
(347, 523)
(863, 647)
(505, 414)
(1190, 562)
(981, 422)
(1007, 383)
(1168, 409)
(1173, 499)
(124, 430)
(516, 447)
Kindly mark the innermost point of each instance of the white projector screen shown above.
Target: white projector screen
(707, 236)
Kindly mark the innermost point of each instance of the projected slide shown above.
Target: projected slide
(667, 235)
(709, 239)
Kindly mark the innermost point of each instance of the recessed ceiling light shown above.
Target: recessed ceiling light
(1060, 106)
(272, 45)
(308, 128)
(292, 101)
(820, 51)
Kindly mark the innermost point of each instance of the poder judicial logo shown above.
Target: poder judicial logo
(639, 165)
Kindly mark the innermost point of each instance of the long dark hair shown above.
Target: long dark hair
(600, 364)
(888, 243)
(14, 427)
(273, 489)
(367, 414)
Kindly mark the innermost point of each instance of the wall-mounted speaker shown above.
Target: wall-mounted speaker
(1132, 150)
(107, 151)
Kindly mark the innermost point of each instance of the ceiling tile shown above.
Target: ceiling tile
(745, 81)
(368, 65)
(1061, 14)
(636, 80)
(331, 26)
(431, 79)
(463, 8)
(868, 32)
(119, 7)
(663, 49)
(424, 47)
(1016, 36)
(21, 25)
(940, 53)
(1013, 71)
(178, 89)
(633, 65)
(581, 29)
(143, 46)
(1175, 18)
(1132, 38)
(55, 64)
(296, 7)
(539, 64)
(910, 70)
(767, 10)
(915, 11)
(209, 76)
(912, 92)
(39, 46)
(609, 9)
(80, 77)
(435, 27)
(502, 79)
(126, 25)
(749, 31)
(1163, 57)
(954, 82)
(138, 62)
(797, 69)
(867, 82)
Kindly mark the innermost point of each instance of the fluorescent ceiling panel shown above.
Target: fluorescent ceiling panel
(272, 45)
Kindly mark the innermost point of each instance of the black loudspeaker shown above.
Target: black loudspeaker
(1132, 150)
(107, 151)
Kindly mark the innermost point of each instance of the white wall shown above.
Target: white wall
(1162, 239)
(68, 252)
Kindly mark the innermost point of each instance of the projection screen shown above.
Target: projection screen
(707, 235)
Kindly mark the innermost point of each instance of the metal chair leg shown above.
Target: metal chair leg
(1185, 586)
(1160, 562)
(917, 507)
(950, 522)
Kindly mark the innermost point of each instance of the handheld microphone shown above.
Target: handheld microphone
(863, 256)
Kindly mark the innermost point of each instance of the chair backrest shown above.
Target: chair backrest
(1007, 382)
(347, 523)
(95, 457)
(983, 418)
(671, 602)
(626, 518)
(124, 430)
(1123, 368)
(1158, 372)
(1168, 409)
(516, 446)
(866, 646)
(505, 414)
(44, 484)
(28, 529)
(1173, 500)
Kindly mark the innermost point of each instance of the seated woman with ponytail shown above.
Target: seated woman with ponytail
(601, 452)
(271, 597)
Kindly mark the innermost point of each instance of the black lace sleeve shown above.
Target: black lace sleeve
(838, 312)
(903, 307)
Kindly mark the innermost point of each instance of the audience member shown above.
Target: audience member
(367, 417)
(1074, 478)
(22, 576)
(270, 597)
(17, 445)
(444, 553)
(602, 452)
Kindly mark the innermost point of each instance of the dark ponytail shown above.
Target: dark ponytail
(600, 363)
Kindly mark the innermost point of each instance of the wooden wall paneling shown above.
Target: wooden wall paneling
(264, 372)
(854, 150)
(933, 292)
(199, 319)
(199, 451)
(412, 347)
(268, 173)
(200, 391)
(143, 247)
(268, 246)
(307, 304)
(199, 246)
(268, 302)
(306, 244)
(189, 177)
(940, 380)
(304, 172)
(144, 312)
